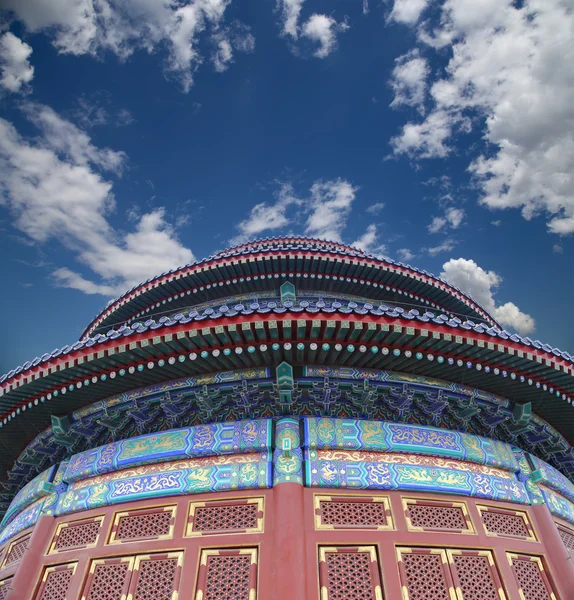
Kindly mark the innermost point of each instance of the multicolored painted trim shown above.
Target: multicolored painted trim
(549, 476)
(203, 440)
(39, 487)
(25, 519)
(351, 470)
(328, 433)
(193, 476)
(557, 504)
(288, 456)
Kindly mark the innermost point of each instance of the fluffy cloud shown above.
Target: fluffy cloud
(376, 208)
(369, 242)
(406, 254)
(55, 190)
(510, 75)
(226, 41)
(93, 26)
(290, 12)
(325, 211)
(446, 246)
(408, 11)
(453, 217)
(481, 285)
(324, 30)
(16, 70)
(265, 217)
(330, 206)
(409, 80)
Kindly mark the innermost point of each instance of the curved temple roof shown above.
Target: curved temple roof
(347, 310)
(259, 263)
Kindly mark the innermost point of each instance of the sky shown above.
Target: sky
(139, 135)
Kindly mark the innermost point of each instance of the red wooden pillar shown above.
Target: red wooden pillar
(27, 575)
(289, 570)
(557, 556)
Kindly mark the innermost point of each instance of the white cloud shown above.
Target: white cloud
(406, 254)
(376, 208)
(369, 242)
(496, 223)
(16, 70)
(409, 80)
(265, 217)
(408, 11)
(223, 55)
(446, 246)
(324, 30)
(54, 189)
(481, 285)
(436, 225)
(81, 27)
(330, 207)
(291, 10)
(510, 76)
(239, 38)
(557, 249)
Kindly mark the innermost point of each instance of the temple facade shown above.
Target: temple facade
(290, 419)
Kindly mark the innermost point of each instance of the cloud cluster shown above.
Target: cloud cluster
(509, 77)
(319, 28)
(122, 27)
(15, 68)
(453, 218)
(55, 189)
(481, 285)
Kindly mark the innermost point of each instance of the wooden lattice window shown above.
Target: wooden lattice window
(227, 574)
(428, 515)
(16, 550)
(142, 577)
(5, 587)
(567, 536)
(76, 534)
(156, 577)
(352, 512)
(143, 524)
(506, 523)
(475, 575)
(531, 577)
(425, 574)
(349, 573)
(108, 579)
(228, 516)
(56, 582)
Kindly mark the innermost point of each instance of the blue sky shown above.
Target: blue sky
(137, 136)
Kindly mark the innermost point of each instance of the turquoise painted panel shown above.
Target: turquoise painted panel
(380, 475)
(525, 475)
(39, 487)
(287, 456)
(178, 478)
(380, 436)
(25, 519)
(558, 505)
(551, 477)
(176, 444)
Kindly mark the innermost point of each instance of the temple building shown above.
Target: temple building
(290, 419)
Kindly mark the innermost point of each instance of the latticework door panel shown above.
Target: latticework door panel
(76, 534)
(156, 577)
(227, 574)
(56, 582)
(108, 579)
(475, 575)
(567, 536)
(531, 577)
(352, 512)
(427, 515)
(144, 524)
(16, 551)
(506, 523)
(5, 588)
(222, 517)
(424, 574)
(349, 573)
